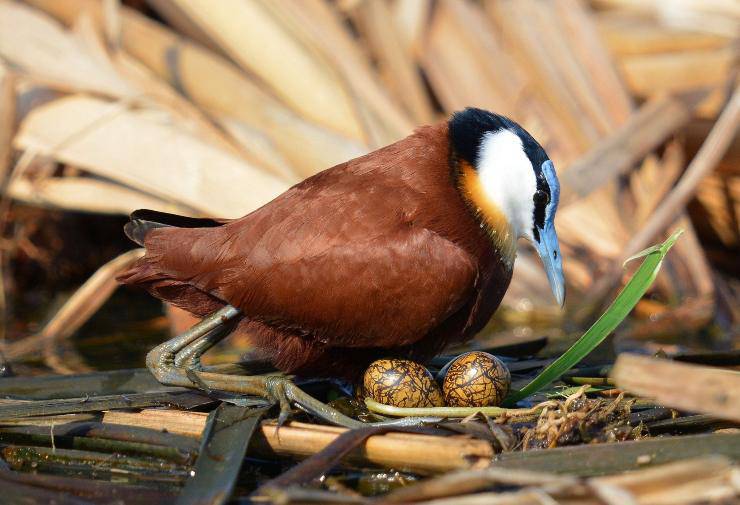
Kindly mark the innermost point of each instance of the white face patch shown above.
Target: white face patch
(508, 179)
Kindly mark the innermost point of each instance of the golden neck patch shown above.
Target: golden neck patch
(491, 217)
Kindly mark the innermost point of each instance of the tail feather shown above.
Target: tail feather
(144, 220)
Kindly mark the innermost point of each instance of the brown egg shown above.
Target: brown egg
(475, 379)
(401, 383)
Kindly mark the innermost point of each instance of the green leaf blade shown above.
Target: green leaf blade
(622, 305)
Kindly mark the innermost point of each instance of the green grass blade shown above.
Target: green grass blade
(615, 314)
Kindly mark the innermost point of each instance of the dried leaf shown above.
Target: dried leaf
(40, 46)
(144, 149)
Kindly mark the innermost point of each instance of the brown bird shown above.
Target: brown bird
(396, 253)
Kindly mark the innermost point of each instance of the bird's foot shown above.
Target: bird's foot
(177, 363)
(275, 387)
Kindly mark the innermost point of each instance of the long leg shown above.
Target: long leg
(177, 363)
(163, 360)
(189, 356)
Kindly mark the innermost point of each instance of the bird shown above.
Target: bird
(397, 253)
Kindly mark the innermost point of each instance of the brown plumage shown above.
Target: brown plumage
(383, 255)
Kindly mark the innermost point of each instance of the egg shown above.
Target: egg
(475, 379)
(401, 383)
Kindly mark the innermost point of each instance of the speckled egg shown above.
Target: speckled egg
(475, 379)
(401, 383)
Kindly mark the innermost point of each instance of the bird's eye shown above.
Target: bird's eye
(540, 197)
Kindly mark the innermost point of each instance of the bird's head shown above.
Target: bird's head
(508, 179)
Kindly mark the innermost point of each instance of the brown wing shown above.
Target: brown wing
(336, 258)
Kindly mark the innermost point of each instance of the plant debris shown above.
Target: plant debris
(213, 108)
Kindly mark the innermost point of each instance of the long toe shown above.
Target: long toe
(276, 389)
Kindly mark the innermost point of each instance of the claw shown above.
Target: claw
(283, 416)
(275, 387)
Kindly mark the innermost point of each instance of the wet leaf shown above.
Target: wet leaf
(18, 409)
(99, 491)
(603, 459)
(227, 434)
(138, 380)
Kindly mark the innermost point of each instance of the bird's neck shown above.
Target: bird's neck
(488, 214)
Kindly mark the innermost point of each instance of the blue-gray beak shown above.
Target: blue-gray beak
(549, 250)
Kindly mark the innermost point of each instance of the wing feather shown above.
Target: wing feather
(341, 262)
